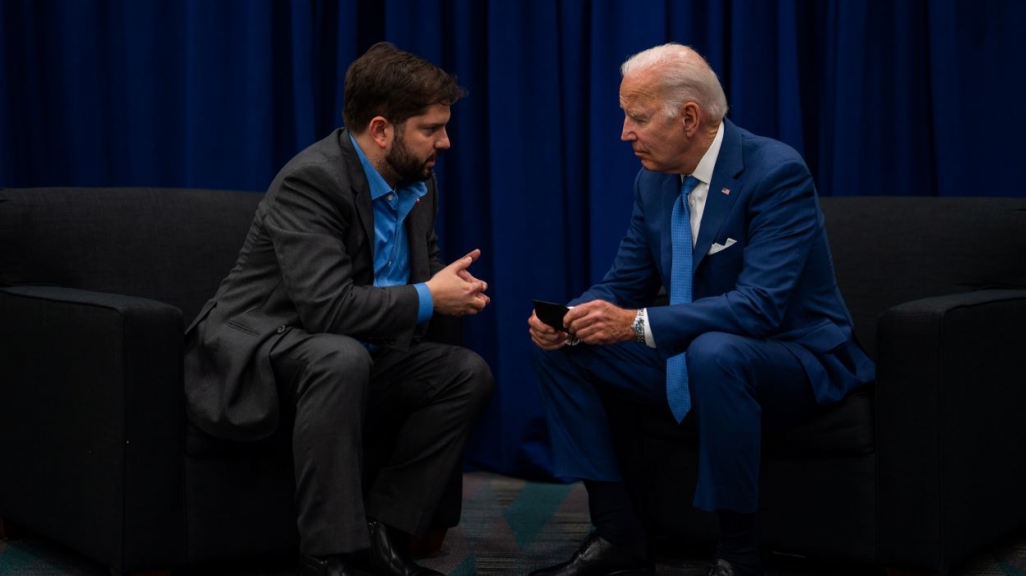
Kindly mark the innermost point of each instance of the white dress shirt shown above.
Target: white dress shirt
(696, 204)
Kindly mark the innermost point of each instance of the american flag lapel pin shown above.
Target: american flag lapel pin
(726, 191)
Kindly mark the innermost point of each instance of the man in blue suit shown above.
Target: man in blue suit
(756, 334)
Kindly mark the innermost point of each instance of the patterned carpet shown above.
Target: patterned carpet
(509, 527)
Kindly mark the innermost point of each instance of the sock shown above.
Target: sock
(614, 516)
(739, 541)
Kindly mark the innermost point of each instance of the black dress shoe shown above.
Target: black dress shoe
(388, 554)
(327, 566)
(599, 557)
(723, 568)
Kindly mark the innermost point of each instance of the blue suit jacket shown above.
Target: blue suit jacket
(775, 282)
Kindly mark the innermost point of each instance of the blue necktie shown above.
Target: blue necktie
(677, 394)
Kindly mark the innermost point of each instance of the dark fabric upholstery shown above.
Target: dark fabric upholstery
(950, 398)
(921, 469)
(96, 288)
(166, 244)
(91, 422)
(893, 250)
(228, 496)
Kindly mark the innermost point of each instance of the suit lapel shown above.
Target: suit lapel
(726, 185)
(361, 189)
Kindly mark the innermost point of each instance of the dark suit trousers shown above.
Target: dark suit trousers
(739, 387)
(373, 434)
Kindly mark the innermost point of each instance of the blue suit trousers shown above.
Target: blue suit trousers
(739, 386)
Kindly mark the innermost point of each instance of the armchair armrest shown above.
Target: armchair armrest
(951, 437)
(92, 423)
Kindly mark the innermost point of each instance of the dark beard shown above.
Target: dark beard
(406, 166)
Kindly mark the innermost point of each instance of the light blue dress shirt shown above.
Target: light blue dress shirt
(391, 248)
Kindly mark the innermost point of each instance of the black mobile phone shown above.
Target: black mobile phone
(551, 313)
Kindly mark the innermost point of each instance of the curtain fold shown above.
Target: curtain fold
(918, 97)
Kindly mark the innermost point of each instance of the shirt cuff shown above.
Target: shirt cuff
(649, 339)
(427, 304)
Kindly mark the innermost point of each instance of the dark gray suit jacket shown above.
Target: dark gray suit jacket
(308, 264)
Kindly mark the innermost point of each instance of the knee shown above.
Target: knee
(546, 362)
(476, 380)
(345, 357)
(339, 363)
(715, 359)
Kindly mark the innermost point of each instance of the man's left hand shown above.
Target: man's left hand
(599, 322)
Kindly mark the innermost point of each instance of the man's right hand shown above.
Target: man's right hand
(454, 289)
(544, 336)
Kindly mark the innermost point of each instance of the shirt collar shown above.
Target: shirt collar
(704, 171)
(378, 186)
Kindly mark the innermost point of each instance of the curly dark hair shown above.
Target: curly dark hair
(397, 85)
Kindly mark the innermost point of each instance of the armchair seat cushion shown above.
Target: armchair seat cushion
(842, 429)
(845, 428)
(200, 445)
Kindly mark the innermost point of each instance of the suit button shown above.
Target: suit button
(281, 329)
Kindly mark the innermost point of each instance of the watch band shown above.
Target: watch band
(639, 326)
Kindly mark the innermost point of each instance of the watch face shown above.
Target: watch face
(639, 327)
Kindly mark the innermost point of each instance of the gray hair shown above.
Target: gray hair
(686, 76)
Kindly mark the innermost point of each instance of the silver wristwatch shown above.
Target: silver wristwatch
(639, 326)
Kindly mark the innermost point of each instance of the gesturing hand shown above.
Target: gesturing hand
(454, 289)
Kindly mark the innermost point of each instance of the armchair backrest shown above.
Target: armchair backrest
(167, 244)
(891, 250)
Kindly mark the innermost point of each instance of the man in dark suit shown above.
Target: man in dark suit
(755, 335)
(320, 325)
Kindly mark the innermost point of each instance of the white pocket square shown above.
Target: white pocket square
(721, 247)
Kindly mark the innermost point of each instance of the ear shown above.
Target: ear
(381, 131)
(690, 114)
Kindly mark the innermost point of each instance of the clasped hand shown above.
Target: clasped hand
(595, 322)
(454, 289)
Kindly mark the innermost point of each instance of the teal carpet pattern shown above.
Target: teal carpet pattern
(509, 527)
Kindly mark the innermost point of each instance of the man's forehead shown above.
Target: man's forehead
(637, 90)
(433, 114)
(637, 102)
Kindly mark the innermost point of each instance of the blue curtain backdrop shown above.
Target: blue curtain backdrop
(905, 97)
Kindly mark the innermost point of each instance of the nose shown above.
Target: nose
(443, 142)
(627, 134)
